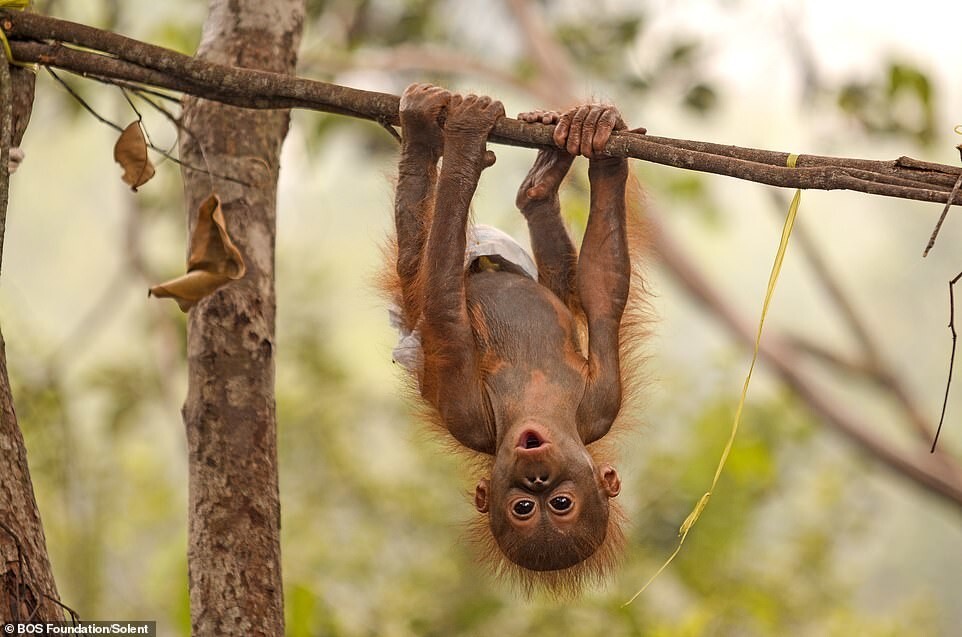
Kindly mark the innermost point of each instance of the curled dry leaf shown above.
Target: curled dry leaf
(130, 152)
(214, 259)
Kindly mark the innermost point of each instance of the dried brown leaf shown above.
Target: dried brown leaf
(130, 152)
(189, 288)
(211, 247)
(214, 259)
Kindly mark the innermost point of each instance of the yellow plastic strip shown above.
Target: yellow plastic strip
(772, 280)
(6, 46)
(11, 4)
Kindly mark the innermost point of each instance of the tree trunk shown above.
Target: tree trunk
(27, 587)
(234, 515)
(26, 580)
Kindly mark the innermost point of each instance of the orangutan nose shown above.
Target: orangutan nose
(537, 482)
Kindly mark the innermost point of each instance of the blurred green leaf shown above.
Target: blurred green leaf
(701, 98)
(900, 104)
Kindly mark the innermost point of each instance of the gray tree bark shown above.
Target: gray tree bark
(234, 510)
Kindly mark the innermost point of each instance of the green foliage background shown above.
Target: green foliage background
(803, 536)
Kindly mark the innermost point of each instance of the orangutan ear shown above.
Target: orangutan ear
(481, 496)
(610, 481)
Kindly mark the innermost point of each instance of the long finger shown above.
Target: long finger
(560, 135)
(607, 122)
(575, 130)
(590, 132)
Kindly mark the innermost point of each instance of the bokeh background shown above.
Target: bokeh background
(806, 535)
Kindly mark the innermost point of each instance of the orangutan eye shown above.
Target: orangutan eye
(523, 508)
(560, 503)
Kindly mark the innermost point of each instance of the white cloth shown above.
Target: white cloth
(487, 241)
(482, 240)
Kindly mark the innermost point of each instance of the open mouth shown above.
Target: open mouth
(530, 440)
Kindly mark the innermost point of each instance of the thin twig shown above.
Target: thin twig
(142, 94)
(945, 211)
(74, 615)
(157, 107)
(140, 118)
(948, 382)
(150, 144)
(391, 131)
(87, 107)
(137, 89)
(130, 102)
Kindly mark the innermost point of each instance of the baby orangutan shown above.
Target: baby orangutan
(520, 365)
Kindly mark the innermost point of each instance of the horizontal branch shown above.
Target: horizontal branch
(51, 42)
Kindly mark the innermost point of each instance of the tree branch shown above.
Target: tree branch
(40, 39)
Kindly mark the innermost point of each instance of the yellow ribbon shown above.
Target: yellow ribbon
(772, 280)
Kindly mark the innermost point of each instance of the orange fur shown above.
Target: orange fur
(634, 329)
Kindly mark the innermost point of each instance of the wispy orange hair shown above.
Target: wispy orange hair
(634, 330)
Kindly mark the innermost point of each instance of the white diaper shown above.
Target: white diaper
(482, 241)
